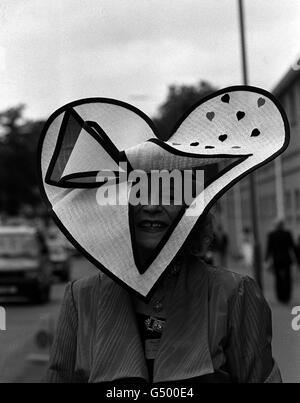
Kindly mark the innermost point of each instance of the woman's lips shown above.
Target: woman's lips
(152, 225)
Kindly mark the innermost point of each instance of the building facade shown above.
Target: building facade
(277, 183)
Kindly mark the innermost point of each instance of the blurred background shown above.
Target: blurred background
(160, 56)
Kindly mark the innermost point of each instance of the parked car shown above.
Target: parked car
(59, 254)
(24, 263)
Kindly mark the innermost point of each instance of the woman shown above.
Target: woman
(202, 324)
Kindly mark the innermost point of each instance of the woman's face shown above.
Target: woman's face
(152, 221)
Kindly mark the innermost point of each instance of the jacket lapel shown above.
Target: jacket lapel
(118, 352)
(184, 349)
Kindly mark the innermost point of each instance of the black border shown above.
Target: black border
(152, 126)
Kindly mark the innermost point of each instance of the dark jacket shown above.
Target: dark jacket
(218, 328)
(280, 247)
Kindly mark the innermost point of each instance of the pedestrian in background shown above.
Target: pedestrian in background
(220, 247)
(281, 251)
(298, 248)
(247, 247)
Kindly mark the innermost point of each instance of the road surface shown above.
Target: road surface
(23, 321)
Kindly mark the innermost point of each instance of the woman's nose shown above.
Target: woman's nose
(152, 208)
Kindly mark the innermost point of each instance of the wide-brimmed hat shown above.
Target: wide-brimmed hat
(239, 128)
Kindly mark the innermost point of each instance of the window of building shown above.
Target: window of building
(267, 206)
(272, 205)
(287, 200)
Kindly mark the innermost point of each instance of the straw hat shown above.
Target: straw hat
(241, 128)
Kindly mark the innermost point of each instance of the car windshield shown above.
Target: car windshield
(18, 245)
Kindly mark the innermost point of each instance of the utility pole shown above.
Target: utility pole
(279, 188)
(257, 250)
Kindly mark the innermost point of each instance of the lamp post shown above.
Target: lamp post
(257, 250)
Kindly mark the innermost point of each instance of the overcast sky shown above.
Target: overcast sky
(55, 51)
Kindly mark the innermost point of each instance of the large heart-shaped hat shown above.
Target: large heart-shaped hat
(240, 128)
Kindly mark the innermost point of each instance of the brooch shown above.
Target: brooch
(154, 325)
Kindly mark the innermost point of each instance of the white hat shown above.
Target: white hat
(242, 127)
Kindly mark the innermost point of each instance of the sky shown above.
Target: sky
(56, 51)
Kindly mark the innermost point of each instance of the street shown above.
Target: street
(22, 360)
(24, 320)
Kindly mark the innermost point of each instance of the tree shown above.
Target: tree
(179, 99)
(18, 143)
